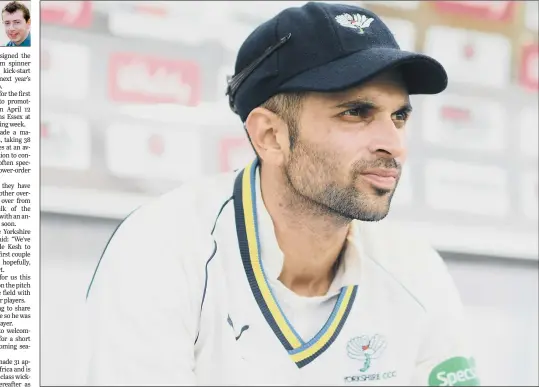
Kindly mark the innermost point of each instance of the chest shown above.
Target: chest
(371, 339)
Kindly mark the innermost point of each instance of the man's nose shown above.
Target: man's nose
(388, 140)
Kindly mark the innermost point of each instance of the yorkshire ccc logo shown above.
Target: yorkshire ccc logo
(366, 348)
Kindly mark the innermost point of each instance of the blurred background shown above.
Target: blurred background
(133, 104)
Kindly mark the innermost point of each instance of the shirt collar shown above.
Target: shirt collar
(348, 272)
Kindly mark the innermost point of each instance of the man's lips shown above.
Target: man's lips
(381, 178)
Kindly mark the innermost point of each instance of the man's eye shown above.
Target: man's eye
(401, 116)
(357, 112)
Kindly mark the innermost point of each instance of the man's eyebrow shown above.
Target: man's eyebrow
(406, 107)
(368, 104)
(358, 102)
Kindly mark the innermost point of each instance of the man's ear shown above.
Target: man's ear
(268, 135)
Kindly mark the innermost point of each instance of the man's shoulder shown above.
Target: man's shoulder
(411, 259)
(170, 234)
(181, 217)
(197, 194)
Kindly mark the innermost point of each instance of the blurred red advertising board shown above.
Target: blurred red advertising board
(151, 9)
(77, 14)
(529, 67)
(486, 10)
(464, 123)
(147, 79)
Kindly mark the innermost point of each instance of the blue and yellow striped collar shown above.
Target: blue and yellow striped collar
(272, 257)
(246, 215)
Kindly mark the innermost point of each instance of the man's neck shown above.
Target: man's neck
(310, 238)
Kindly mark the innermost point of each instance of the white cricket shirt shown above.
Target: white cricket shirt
(186, 293)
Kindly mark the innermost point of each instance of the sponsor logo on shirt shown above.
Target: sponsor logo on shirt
(456, 371)
(366, 349)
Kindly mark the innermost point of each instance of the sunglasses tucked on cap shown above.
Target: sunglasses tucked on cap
(323, 47)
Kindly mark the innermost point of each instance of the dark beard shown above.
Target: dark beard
(328, 198)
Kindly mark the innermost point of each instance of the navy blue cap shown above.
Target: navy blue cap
(323, 47)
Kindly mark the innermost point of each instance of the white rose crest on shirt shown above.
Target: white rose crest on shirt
(366, 348)
(356, 21)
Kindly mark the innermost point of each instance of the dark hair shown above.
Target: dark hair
(15, 6)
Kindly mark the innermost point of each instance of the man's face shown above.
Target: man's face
(347, 148)
(16, 27)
